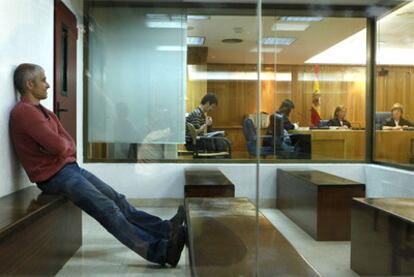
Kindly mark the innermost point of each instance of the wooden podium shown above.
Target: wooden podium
(318, 202)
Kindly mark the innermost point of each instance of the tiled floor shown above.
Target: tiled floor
(102, 255)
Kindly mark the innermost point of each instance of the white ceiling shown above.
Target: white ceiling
(316, 38)
(394, 31)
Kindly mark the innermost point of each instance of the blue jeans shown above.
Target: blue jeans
(143, 233)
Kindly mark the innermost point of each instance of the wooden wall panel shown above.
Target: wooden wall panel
(396, 86)
(237, 98)
(339, 85)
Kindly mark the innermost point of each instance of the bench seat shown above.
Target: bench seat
(222, 241)
(38, 232)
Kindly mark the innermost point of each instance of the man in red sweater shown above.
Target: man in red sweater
(47, 153)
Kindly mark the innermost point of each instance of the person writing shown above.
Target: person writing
(278, 129)
(201, 122)
(47, 153)
(396, 121)
(338, 119)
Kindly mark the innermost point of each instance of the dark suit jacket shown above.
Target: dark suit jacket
(335, 122)
(390, 122)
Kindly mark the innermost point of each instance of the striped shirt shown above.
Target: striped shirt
(197, 118)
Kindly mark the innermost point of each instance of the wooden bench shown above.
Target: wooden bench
(207, 183)
(318, 202)
(222, 241)
(39, 233)
(382, 236)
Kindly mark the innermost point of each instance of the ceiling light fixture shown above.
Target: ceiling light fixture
(195, 41)
(198, 17)
(268, 50)
(301, 18)
(278, 40)
(289, 27)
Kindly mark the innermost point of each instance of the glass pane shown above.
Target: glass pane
(313, 87)
(136, 91)
(394, 97)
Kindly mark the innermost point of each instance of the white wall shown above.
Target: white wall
(26, 35)
(167, 180)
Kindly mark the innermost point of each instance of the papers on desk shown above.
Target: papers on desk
(303, 129)
(215, 134)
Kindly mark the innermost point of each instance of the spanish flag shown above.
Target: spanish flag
(316, 107)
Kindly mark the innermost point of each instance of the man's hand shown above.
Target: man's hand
(209, 121)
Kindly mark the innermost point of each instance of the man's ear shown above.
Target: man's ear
(29, 84)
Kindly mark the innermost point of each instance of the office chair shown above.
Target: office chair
(199, 143)
(380, 118)
(323, 123)
(249, 131)
(289, 146)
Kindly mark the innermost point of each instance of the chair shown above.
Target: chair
(199, 152)
(250, 134)
(323, 123)
(380, 118)
(294, 146)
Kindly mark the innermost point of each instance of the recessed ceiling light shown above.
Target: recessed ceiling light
(198, 17)
(195, 40)
(232, 40)
(278, 41)
(166, 24)
(301, 18)
(171, 48)
(268, 50)
(290, 27)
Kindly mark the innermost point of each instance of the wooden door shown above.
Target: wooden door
(65, 37)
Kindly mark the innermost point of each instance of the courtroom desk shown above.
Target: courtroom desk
(382, 236)
(336, 144)
(222, 241)
(394, 146)
(207, 183)
(318, 202)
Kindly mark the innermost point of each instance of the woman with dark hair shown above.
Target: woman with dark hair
(338, 119)
(284, 110)
(280, 125)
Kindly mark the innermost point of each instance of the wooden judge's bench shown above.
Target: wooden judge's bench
(336, 144)
(394, 146)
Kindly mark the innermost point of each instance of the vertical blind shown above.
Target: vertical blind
(136, 75)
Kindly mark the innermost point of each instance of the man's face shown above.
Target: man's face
(211, 107)
(38, 86)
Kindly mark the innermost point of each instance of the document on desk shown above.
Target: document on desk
(215, 134)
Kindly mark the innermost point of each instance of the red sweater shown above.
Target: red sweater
(42, 145)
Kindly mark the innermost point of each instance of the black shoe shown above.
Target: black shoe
(179, 217)
(175, 246)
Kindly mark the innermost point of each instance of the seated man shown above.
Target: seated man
(47, 153)
(203, 125)
(396, 121)
(338, 119)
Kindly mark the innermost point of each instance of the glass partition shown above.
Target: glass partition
(175, 84)
(394, 117)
